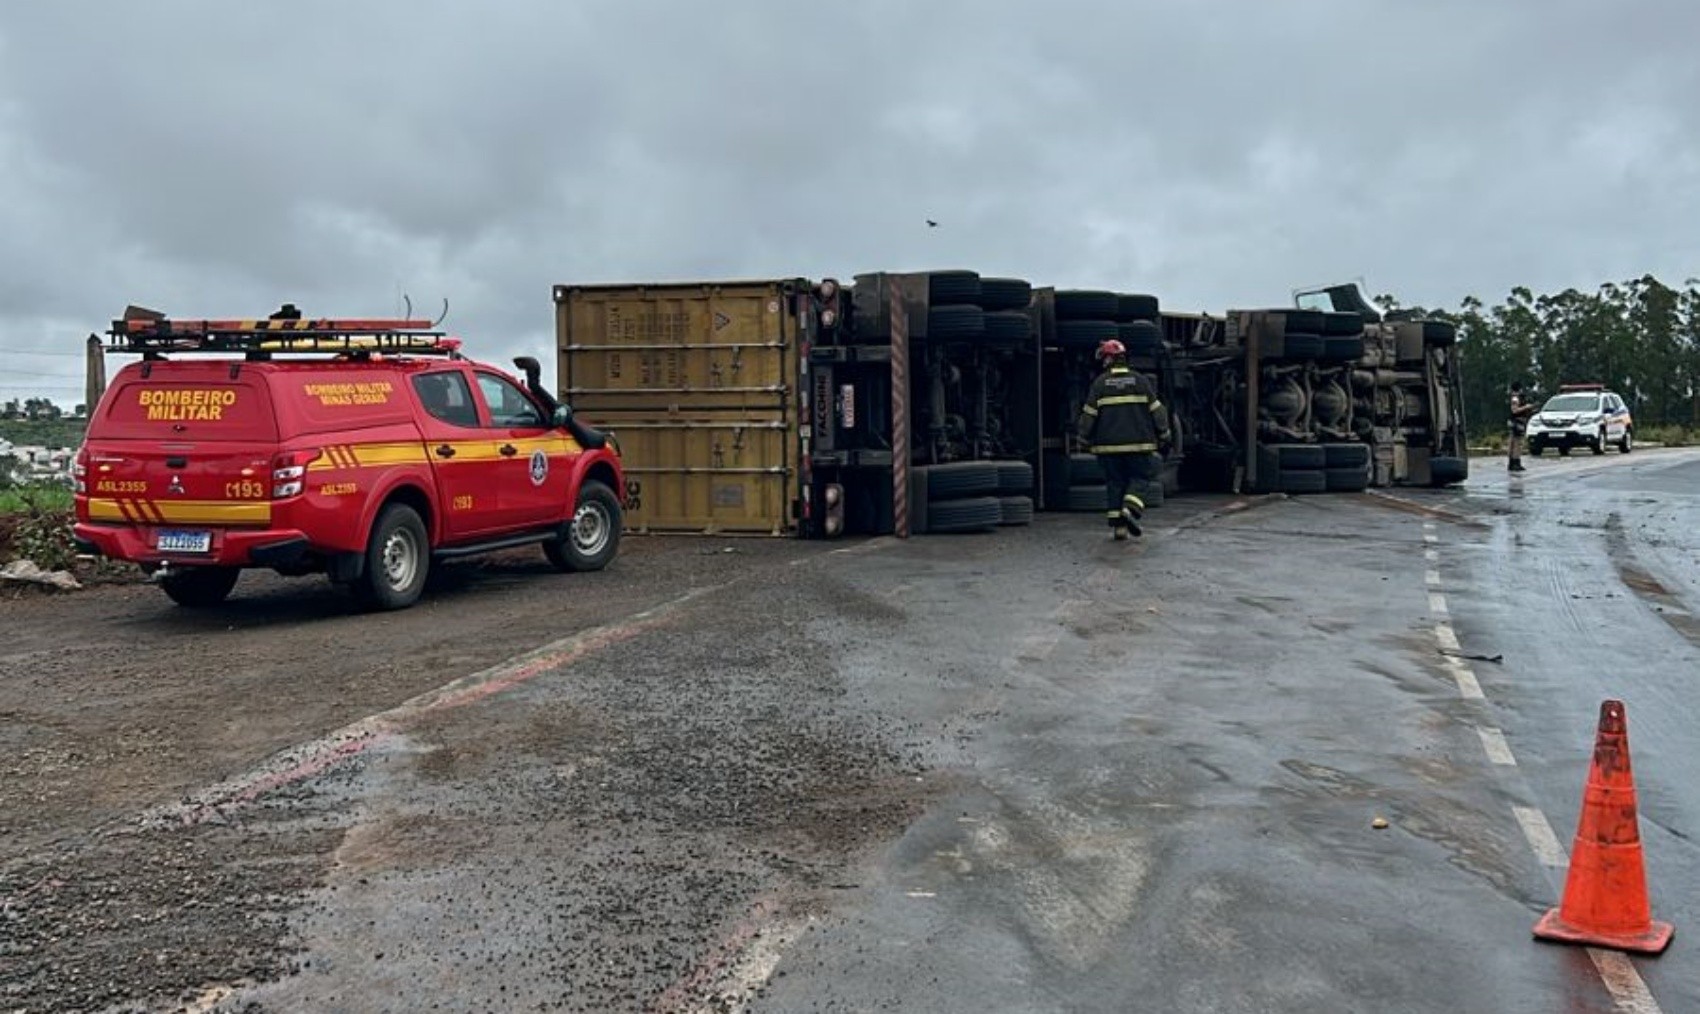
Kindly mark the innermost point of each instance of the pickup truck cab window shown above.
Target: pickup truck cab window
(509, 407)
(446, 397)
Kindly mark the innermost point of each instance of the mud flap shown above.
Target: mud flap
(343, 568)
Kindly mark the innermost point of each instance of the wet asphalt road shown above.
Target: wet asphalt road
(1034, 771)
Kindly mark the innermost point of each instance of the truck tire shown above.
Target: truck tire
(1015, 478)
(1085, 470)
(1347, 480)
(1133, 306)
(1087, 304)
(1306, 481)
(1296, 457)
(952, 287)
(1142, 338)
(1341, 325)
(958, 479)
(1345, 455)
(1004, 294)
(398, 559)
(1085, 334)
(1083, 499)
(1302, 345)
(1008, 329)
(975, 514)
(1446, 471)
(199, 587)
(593, 537)
(1437, 333)
(1342, 349)
(1015, 510)
(956, 322)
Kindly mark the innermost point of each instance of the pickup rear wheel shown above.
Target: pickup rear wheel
(398, 559)
(593, 537)
(200, 587)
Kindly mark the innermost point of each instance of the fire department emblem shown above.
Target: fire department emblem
(539, 467)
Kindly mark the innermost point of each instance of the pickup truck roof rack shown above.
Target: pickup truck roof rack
(152, 336)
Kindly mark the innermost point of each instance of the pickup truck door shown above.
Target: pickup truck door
(533, 463)
(453, 432)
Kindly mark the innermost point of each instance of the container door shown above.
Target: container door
(698, 385)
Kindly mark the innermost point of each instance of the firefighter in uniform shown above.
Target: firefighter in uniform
(1125, 425)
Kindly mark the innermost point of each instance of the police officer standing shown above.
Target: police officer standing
(1125, 425)
(1520, 413)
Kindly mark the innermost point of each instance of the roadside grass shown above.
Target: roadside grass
(35, 525)
(35, 497)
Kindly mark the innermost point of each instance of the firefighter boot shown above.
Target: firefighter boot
(1133, 508)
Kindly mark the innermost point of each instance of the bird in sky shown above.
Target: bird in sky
(932, 224)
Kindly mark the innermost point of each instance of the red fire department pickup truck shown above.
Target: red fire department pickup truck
(361, 449)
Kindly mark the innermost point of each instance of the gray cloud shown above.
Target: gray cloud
(209, 158)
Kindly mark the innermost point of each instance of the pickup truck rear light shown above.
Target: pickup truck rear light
(80, 472)
(289, 472)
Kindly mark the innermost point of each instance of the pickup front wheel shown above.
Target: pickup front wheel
(593, 537)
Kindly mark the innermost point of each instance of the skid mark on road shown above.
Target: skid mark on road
(1628, 991)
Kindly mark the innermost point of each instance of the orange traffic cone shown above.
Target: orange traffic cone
(1605, 893)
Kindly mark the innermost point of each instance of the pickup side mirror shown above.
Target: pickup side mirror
(588, 438)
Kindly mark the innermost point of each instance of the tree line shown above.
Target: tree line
(36, 408)
(1640, 338)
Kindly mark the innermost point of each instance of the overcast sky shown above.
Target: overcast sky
(214, 159)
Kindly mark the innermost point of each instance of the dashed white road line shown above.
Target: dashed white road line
(1498, 750)
(1624, 983)
(1628, 991)
(1541, 838)
(1468, 687)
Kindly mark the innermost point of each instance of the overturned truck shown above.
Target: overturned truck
(1329, 395)
(923, 402)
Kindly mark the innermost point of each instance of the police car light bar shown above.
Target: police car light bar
(153, 336)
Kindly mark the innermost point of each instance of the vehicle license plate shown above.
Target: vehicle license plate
(172, 541)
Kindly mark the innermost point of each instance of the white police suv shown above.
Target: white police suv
(1582, 415)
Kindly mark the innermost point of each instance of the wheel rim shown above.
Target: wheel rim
(591, 529)
(401, 559)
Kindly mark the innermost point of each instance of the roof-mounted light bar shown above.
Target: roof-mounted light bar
(154, 335)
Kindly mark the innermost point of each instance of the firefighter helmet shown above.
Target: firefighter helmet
(1111, 348)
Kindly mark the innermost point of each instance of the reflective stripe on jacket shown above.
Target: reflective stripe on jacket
(1122, 414)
